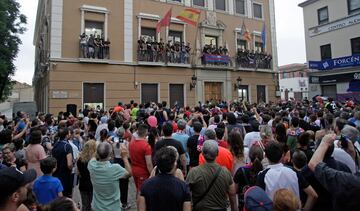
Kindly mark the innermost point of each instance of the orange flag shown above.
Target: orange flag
(189, 16)
(164, 22)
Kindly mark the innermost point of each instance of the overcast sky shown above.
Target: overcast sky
(289, 27)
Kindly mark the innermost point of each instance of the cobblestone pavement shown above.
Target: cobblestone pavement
(131, 195)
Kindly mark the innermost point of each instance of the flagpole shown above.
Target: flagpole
(195, 43)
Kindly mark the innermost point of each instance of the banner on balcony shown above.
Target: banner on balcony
(210, 58)
(328, 64)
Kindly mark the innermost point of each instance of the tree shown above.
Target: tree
(11, 26)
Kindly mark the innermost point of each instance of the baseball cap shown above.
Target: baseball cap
(12, 179)
(257, 200)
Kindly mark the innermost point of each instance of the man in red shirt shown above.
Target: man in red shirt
(140, 153)
(224, 157)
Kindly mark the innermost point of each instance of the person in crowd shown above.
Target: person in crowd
(61, 204)
(343, 186)
(277, 176)
(118, 140)
(246, 176)
(253, 136)
(141, 159)
(105, 177)
(256, 199)
(293, 133)
(63, 153)
(211, 184)
(34, 152)
(47, 188)
(85, 185)
(167, 130)
(13, 186)
(10, 160)
(192, 145)
(285, 200)
(165, 191)
(238, 151)
(181, 136)
(224, 157)
(103, 125)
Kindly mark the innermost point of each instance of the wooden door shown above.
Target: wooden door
(176, 95)
(213, 91)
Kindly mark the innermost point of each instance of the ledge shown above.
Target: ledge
(100, 61)
(151, 63)
(178, 65)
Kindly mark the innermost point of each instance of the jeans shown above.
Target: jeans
(86, 198)
(124, 183)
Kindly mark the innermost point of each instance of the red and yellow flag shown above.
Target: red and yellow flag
(189, 16)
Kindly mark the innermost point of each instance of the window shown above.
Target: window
(149, 93)
(180, 1)
(175, 36)
(355, 45)
(240, 7)
(176, 93)
(200, 3)
(325, 52)
(241, 44)
(93, 95)
(259, 47)
(243, 93)
(94, 27)
(323, 15)
(220, 5)
(148, 34)
(257, 8)
(353, 6)
(211, 40)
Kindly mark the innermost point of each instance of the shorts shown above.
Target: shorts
(139, 181)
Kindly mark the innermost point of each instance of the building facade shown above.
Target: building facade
(333, 47)
(181, 64)
(294, 81)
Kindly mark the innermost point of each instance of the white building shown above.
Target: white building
(294, 81)
(332, 35)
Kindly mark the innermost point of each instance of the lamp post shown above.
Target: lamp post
(193, 82)
(238, 83)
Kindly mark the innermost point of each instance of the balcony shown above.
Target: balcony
(156, 53)
(94, 49)
(253, 60)
(215, 60)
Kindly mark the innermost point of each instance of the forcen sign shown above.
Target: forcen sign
(332, 26)
(328, 64)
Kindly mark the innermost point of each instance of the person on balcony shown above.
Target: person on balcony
(187, 55)
(107, 49)
(97, 46)
(83, 45)
(91, 47)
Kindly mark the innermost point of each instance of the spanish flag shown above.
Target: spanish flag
(189, 16)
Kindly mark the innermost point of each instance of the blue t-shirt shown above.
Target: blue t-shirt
(47, 188)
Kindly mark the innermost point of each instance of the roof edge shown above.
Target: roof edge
(306, 3)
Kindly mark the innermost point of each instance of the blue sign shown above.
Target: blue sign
(211, 58)
(328, 64)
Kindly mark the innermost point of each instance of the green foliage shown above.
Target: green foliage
(11, 26)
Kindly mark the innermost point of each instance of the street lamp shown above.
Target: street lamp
(193, 82)
(237, 84)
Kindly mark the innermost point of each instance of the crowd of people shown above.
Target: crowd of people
(94, 47)
(251, 59)
(171, 52)
(284, 156)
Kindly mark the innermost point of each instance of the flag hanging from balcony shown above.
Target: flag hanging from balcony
(245, 32)
(164, 22)
(263, 36)
(189, 16)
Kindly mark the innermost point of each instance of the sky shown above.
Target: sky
(289, 28)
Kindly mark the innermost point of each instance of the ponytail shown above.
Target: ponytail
(256, 166)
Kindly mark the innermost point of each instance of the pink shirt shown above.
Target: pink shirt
(34, 153)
